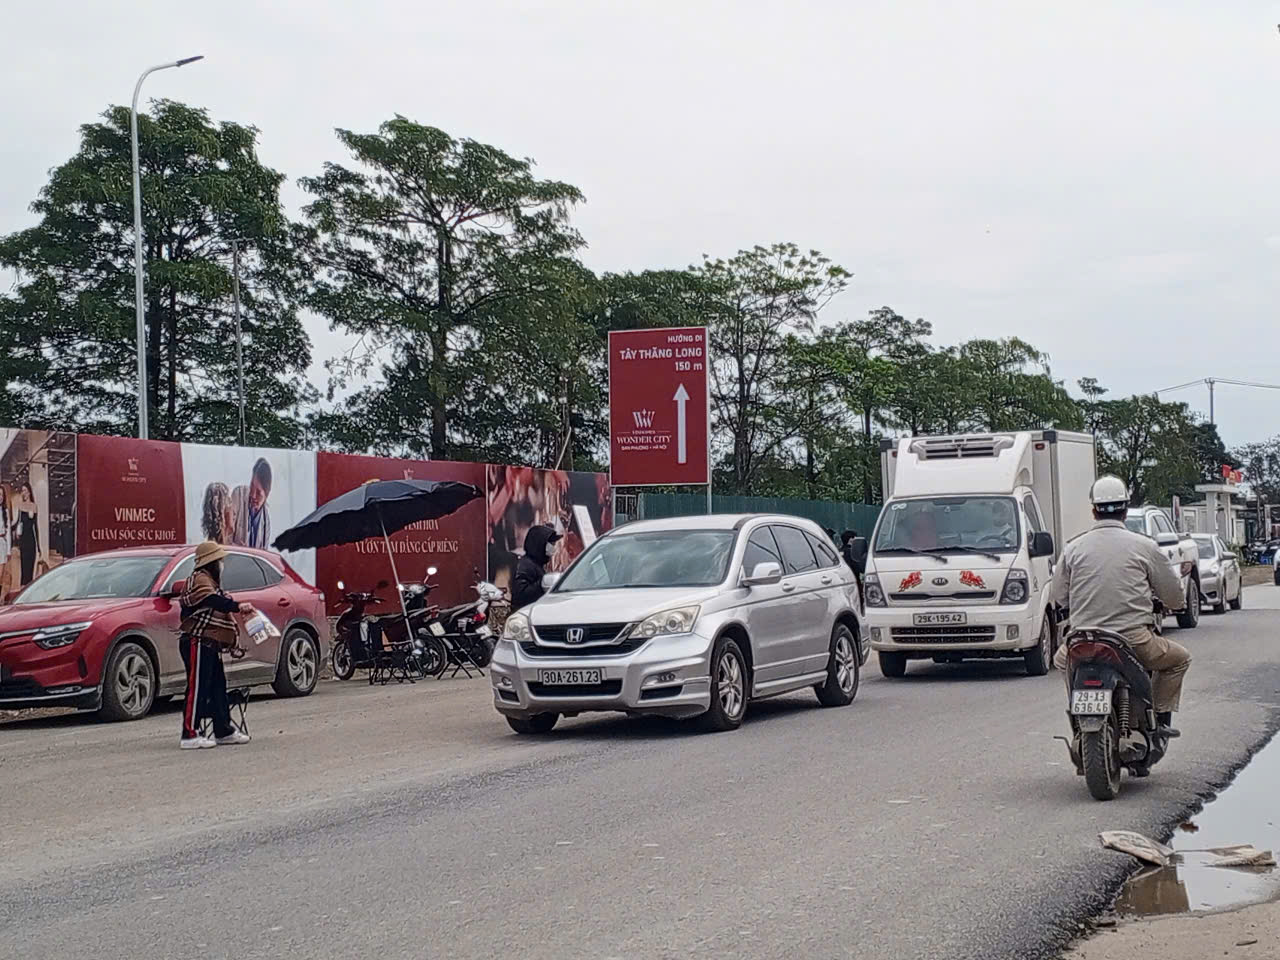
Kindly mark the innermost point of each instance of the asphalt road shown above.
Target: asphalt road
(936, 817)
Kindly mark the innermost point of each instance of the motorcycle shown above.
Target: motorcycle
(384, 643)
(1112, 710)
(466, 629)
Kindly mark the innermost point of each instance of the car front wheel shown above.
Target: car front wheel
(841, 685)
(728, 687)
(128, 684)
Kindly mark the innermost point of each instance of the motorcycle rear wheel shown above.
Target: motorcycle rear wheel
(344, 664)
(1100, 753)
(434, 656)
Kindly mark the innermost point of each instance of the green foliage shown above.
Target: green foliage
(479, 335)
(441, 255)
(69, 324)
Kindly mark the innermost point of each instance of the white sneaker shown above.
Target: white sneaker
(233, 739)
(197, 743)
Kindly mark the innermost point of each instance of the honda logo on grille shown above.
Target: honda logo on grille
(575, 635)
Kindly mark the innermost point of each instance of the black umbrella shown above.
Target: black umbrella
(376, 509)
(380, 507)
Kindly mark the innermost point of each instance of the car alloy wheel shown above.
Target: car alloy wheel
(846, 674)
(134, 682)
(301, 662)
(729, 684)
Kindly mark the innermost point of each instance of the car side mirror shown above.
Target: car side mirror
(858, 550)
(549, 581)
(1166, 539)
(1041, 544)
(764, 575)
(176, 589)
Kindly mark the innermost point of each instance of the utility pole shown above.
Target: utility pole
(1210, 382)
(235, 295)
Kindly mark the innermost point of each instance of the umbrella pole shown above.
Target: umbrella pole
(408, 630)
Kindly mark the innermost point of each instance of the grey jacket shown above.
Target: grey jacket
(1107, 577)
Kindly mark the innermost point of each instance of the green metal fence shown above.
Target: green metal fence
(835, 516)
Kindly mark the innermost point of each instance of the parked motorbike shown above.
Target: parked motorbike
(466, 630)
(384, 643)
(1112, 711)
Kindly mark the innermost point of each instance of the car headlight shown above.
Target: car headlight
(1015, 587)
(62, 635)
(669, 623)
(871, 588)
(517, 629)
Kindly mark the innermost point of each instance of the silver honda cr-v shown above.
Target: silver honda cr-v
(691, 616)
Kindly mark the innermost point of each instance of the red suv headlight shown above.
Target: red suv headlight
(63, 635)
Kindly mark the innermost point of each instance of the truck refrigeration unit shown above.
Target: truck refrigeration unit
(960, 564)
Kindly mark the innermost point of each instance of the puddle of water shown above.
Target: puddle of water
(1246, 812)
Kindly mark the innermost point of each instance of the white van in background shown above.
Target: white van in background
(961, 560)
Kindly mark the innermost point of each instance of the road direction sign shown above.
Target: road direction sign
(659, 407)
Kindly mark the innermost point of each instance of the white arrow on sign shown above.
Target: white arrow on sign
(681, 398)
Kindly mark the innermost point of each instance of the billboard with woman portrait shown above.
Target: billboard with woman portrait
(578, 505)
(37, 505)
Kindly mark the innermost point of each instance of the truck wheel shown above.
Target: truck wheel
(1190, 617)
(893, 665)
(1039, 658)
(1100, 754)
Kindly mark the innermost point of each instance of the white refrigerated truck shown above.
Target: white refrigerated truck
(961, 560)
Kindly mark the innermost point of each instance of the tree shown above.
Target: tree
(762, 296)
(69, 325)
(1261, 464)
(1148, 445)
(417, 252)
(1012, 387)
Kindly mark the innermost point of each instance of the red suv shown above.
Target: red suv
(100, 632)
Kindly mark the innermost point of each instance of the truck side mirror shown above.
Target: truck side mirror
(1041, 545)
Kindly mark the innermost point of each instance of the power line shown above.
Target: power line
(1211, 381)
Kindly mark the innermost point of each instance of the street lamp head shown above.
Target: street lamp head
(185, 60)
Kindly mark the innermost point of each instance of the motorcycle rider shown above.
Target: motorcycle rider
(1106, 579)
(526, 585)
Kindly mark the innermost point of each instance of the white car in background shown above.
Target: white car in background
(1221, 581)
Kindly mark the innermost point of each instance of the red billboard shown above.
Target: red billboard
(455, 544)
(658, 407)
(130, 493)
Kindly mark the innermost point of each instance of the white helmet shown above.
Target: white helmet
(1109, 495)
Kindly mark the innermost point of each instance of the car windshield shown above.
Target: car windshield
(100, 579)
(940, 524)
(658, 558)
(1136, 524)
(1206, 549)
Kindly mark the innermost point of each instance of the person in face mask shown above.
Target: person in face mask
(526, 586)
(207, 630)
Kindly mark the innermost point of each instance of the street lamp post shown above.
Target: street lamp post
(137, 241)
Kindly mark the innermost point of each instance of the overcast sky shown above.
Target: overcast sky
(1097, 177)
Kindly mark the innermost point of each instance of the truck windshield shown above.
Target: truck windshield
(929, 524)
